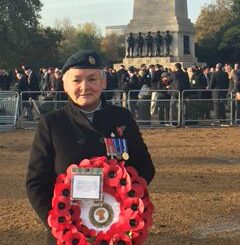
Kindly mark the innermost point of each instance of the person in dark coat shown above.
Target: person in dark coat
(180, 83)
(33, 85)
(122, 74)
(22, 86)
(207, 93)
(132, 83)
(32, 95)
(181, 78)
(219, 84)
(198, 83)
(77, 132)
(164, 98)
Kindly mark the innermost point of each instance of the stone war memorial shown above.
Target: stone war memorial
(160, 32)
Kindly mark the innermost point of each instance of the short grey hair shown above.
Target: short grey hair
(103, 75)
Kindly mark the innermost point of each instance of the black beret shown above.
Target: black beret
(83, 59)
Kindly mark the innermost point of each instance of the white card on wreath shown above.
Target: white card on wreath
(87, 184)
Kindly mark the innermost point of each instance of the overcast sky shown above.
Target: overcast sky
(101, 12)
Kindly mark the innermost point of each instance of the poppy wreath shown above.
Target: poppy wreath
(120, 183)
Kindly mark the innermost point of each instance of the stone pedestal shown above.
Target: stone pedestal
(163, 15)
(167, 62)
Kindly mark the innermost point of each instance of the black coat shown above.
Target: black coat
(33, 85)
(120, 75)
(133, 83)
(199, 82)
(181, 80)
(66, 136)
(23, 87)
(155, 82)
(219, 81)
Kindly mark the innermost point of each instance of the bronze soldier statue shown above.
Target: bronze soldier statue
(140, 42)
(159, 42)
(149, 41)
(168, 41)
(131, 44)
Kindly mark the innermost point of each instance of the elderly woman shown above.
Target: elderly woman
(77, 131)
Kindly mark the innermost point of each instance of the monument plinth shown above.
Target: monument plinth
(163, 15)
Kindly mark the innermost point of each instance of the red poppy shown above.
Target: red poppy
(120, 131)
(113, 162)
(149, 208)
(136, 191)
(103, 238)
(98, 162)
(124, 183)
(139, 237)
(141, 181)
(112, 175)
(59, 233)
(69, 169)
(121, 239)
(134, 205)
(134, 223)
(148, 220)
(57, 221)
(145, 198)
(62, 189)
(76, 238)
(147, 215)
(132, 172)
(75, 214)
(85, 163)
(61, 205)
(86, 231)
(60, 178)
(110, 190)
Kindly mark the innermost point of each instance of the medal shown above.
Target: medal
(125, 156)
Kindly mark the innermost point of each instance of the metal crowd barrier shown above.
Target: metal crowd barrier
(8, 110)
(207, 107)
(237, 111)
(150, 108)
(155, 108)
(35, 103)
(115, 97)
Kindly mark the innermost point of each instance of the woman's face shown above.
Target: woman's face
(84, 87)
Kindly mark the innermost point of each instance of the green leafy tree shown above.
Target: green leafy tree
(218, 32)
(236, 9)
(85, 36)
(212, 18)
(113, 47)
(229, 42)
(44, 49)
(18, 20)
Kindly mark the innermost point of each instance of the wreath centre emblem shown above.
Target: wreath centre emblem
(101, 216)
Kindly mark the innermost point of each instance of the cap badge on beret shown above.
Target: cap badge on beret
(92, 60)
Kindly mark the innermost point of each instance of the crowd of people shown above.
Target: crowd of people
(211, 88)
(213, 85)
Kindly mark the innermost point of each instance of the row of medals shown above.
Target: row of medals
(117, 147)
